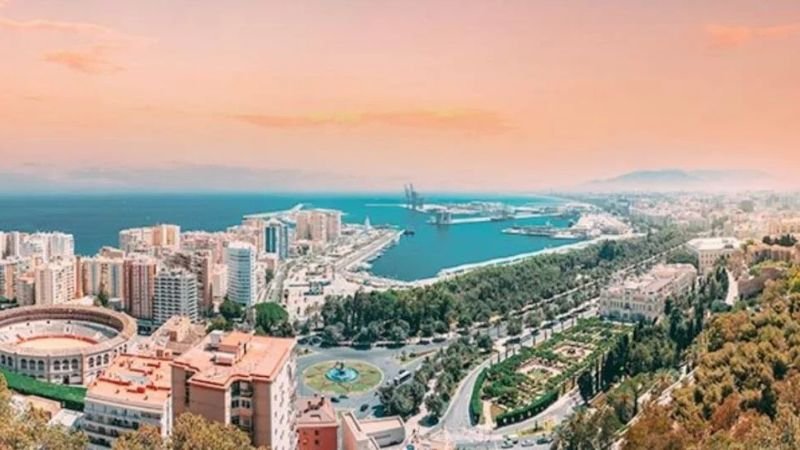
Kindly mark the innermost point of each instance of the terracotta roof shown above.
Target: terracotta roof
(238, 356)
(315, 412)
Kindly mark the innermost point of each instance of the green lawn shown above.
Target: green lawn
(71, 396)
(369, 378)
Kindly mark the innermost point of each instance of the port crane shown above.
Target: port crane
(413, 199)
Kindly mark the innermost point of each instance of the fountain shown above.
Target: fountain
(340, 373)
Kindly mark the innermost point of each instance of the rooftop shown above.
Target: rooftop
(178, 334)
(315, 411)
(222, 358)
(717, 243)
(375, 426)
(136, 380)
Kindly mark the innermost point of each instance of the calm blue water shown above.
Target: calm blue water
(96, 220)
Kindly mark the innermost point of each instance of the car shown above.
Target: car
(544, 440)
(424, 342)
(507, 444)
(527, 443)
(335, 399)
(513, 438)
(364, 407)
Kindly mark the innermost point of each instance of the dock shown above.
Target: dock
(269, 214)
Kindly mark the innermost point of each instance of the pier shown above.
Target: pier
(269, 214)
(480, 219)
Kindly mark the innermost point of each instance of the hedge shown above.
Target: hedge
(475, 404)
(528, 411)
(72, 397)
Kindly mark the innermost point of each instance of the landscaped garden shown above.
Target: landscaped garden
(342, 377)
(529, 381)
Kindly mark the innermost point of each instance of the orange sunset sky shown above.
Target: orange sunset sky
(369, 94)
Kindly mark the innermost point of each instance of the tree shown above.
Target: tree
(146, 437)
(435, 406)
(514, 327)
(273, 319)
(30, 430)
(231, 310)
(193, 432)
(484, 342)
(587, 430)
(102, 298)
(586, 385)
(218, 323)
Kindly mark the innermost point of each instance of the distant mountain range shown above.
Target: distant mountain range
(681, 180)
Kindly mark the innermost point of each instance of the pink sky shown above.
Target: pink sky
(364, 94)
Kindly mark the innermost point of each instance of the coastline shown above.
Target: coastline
(452, 272)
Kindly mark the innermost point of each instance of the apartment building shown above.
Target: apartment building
(175, 295)
(133, 391)
(317, 428)
(55, 282)
(243, 380)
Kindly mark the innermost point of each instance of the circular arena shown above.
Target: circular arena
(62, 344)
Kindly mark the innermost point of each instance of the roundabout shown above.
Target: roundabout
(342, 377)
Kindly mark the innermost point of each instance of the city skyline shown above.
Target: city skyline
(519, 96)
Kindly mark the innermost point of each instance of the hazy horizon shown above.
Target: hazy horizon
(518, 96)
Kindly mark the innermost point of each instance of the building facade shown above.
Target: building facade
(242, 380)
(133, 391)
(644, 298)
(710, 250)
(276, 239)
(140, 286)
(55, 282)
(175, 295)
(103, 274)
(317, 427)
(240, 258)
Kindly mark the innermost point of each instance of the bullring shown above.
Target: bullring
(64, 344)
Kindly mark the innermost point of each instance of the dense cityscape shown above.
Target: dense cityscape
(276, 329)
(399, 225)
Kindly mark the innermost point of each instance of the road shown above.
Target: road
(456, 420)
(733, 289)
(383, 358)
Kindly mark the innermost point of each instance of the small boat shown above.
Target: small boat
(409, 232)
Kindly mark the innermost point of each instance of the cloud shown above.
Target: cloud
(736, 36)
(92, 30)
(93, 61)
(456, 119)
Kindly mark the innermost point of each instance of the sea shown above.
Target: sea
(95, 220)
